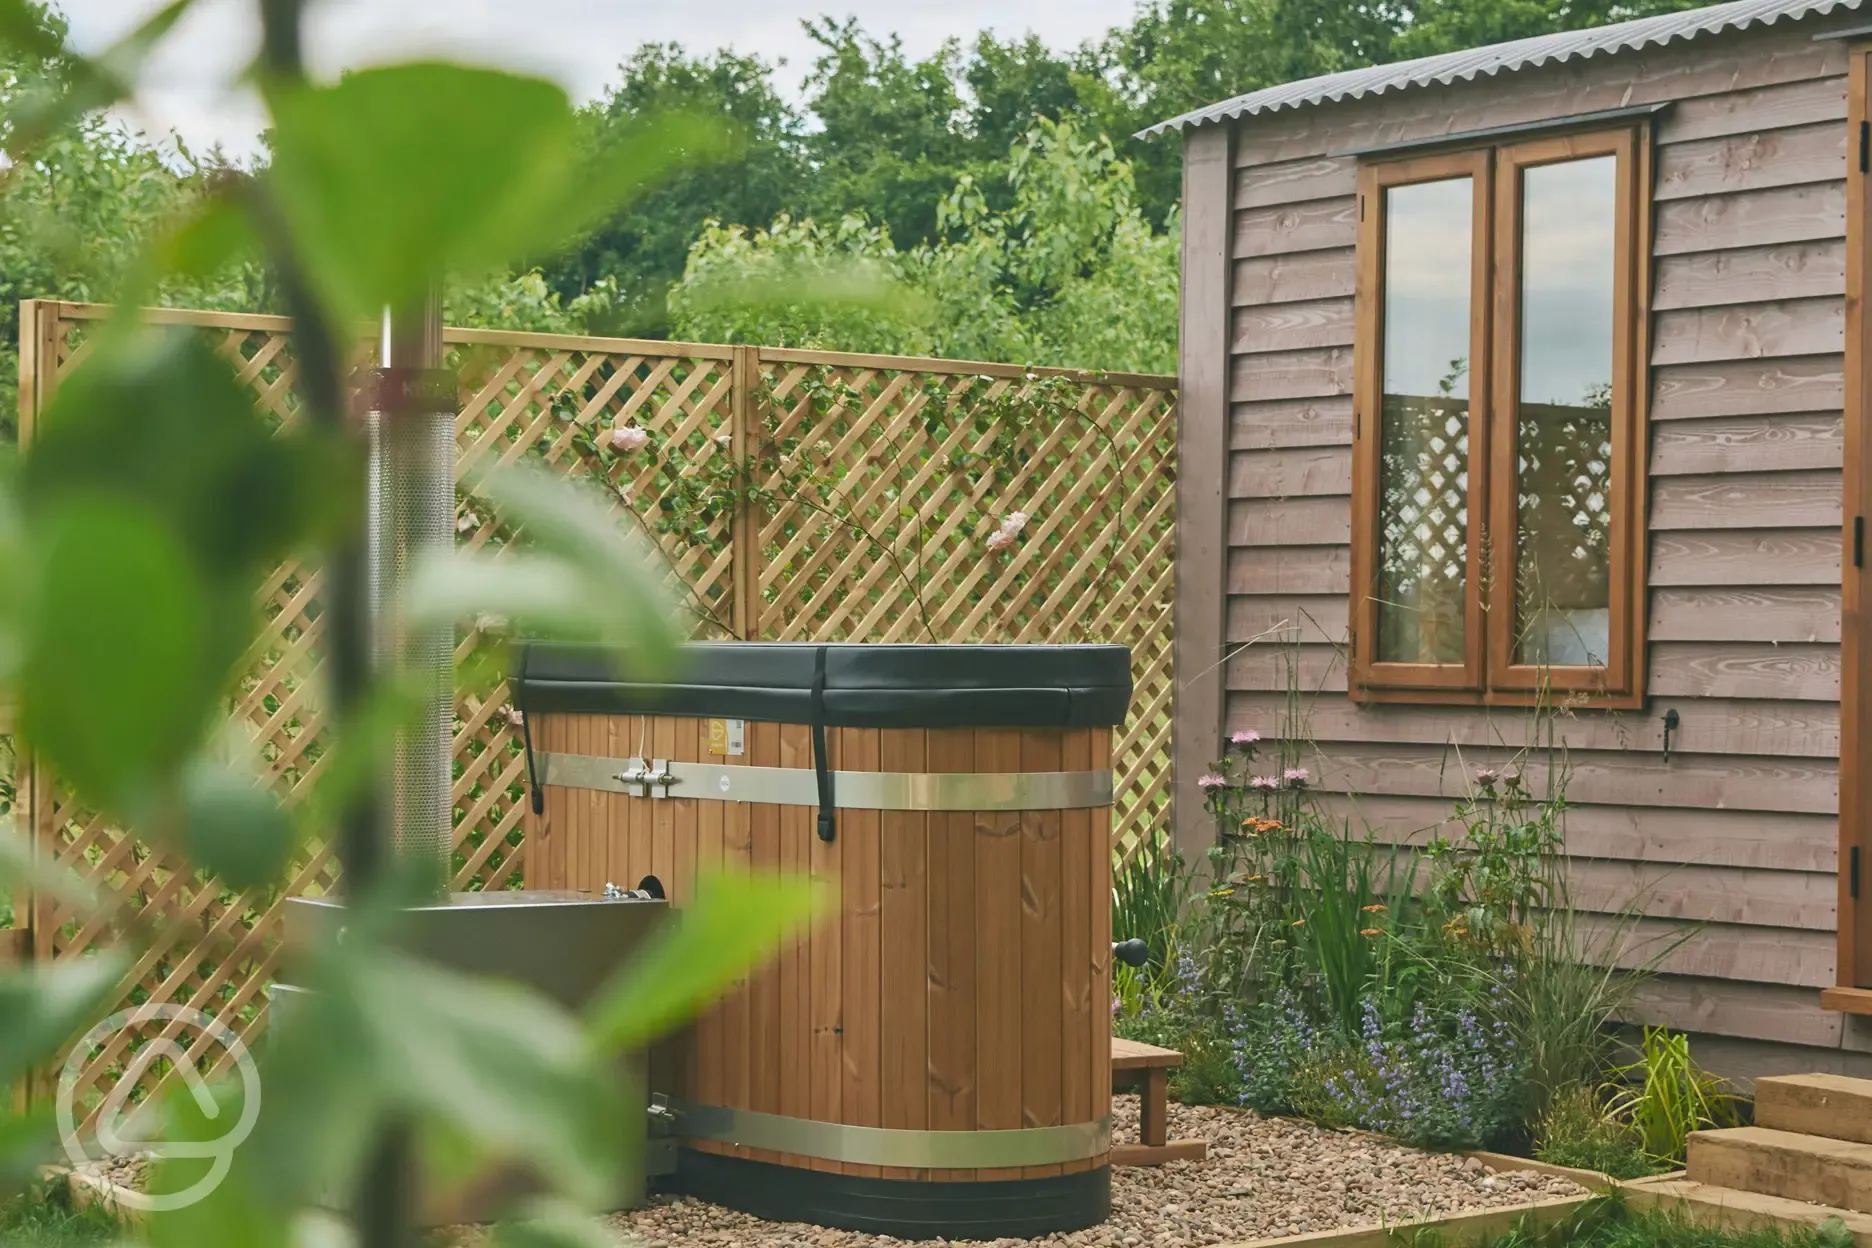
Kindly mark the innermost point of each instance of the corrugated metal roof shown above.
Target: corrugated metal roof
(1505, 57)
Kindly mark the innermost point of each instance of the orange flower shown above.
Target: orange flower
(1257, 825)
(1297, 923)
(1371, 931)
(1375, 909)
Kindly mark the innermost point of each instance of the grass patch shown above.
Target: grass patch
(1608, 1223)
(44, 1217)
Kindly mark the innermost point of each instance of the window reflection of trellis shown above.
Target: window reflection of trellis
(1423, 524)
(1563, 581)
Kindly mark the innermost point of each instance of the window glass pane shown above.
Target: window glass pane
(1563, 426)
(1423, 473)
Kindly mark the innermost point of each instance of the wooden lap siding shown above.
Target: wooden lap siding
(1738, 831)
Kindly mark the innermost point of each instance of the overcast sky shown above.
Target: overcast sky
(577, 42)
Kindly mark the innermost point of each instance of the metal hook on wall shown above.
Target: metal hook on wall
(1672, 721)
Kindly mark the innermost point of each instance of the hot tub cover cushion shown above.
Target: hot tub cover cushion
(866, 686)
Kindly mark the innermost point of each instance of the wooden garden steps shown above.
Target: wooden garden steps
(1807, 1158)
(1147, 1068)
(1827, 1105)
(1812, 1168)
(1707, 1205)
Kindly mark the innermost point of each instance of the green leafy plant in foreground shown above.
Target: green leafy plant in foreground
(135, 532)
(1664, 1095)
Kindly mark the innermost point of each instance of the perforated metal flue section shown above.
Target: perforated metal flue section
(413, 513)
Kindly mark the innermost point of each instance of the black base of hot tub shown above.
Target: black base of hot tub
(994, 1209)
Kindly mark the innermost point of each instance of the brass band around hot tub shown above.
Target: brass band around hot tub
(933, 1060)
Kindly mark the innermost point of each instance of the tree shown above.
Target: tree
(1069, 273)
(642, 251)
(890, 140)
(1447, 25)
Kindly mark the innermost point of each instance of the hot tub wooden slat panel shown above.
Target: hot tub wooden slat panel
(795, 965)
(764, 992)
(589, 807)
(611, 851)
(1101, 939)
(1041, 1002)
(1076, 949)
(738, 855)
(536, 851)
(903, 846)
(952, 919)
(858, 840)
(827, 1061)
(691, 747)
(997, 956)
(706, 1085)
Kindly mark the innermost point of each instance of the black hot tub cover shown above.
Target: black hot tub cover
(865, 686)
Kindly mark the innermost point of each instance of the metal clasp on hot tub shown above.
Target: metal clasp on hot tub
(654, 778)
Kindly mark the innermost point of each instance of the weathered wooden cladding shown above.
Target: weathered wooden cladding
(1750, 275)
(1737, 831)
(1737, 444)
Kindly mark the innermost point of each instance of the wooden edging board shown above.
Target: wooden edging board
(1469, 1224)
(88, 1190)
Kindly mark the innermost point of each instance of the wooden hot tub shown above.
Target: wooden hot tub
(933, 1061)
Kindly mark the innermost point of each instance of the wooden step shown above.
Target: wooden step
(1834, 1106)
(1727, 1208)
(1782, 1163)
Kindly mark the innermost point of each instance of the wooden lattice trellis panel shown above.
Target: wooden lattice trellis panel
(915, 465)
(886, 542)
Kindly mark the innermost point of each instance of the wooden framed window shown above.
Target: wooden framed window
(1498, 436)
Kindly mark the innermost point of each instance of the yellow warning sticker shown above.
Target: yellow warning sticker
(727, 736)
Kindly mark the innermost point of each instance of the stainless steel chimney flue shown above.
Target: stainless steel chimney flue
(412, 514)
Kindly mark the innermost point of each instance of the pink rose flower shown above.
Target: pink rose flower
(1000, 540)
(627, 439)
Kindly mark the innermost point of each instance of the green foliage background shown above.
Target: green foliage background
(997, 179)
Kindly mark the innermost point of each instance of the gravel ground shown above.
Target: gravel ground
(1264, 1177)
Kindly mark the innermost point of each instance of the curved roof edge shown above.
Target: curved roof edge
(1500, 58)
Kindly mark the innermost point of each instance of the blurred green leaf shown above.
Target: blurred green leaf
(13, 557)
(157, 497)
(26, 1140)
(160, 420)
(599, 580)
(20, 866)
(45, 1006)
(553, 1224)
(542, 596)
(397, 176)
(236, 1213)
(233, 825)
(114, 690)
(383, 1034)
(734, 925)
